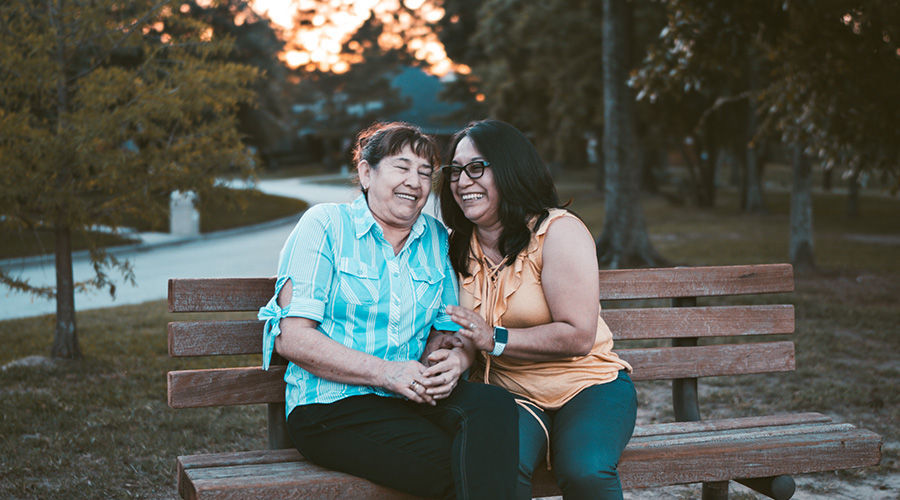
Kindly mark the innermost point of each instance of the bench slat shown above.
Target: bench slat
(209, 338)
(293, 480)
(620, 284)
(226, 386)
(249, 294)
(670, 455)
(215, 337)
(252, 385)
(668, 363)
(680, 322)
(219, 294)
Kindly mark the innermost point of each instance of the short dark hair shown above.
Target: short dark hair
(523, 181)
(382, 139)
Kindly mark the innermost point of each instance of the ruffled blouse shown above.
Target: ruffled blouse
(512, 296)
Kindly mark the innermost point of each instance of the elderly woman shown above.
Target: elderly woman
(360, 289)
(530, 303)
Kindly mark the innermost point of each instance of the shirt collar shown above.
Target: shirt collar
(364, 221)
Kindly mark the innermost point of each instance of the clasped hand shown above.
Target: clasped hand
(474, 327)
(426, 384)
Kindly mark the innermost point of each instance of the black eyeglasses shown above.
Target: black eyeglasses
(473, 169)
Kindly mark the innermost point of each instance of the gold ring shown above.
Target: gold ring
(413, 385)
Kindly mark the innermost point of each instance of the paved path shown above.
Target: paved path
(245, 252)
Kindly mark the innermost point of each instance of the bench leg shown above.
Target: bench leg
(715, 491)
(278, 435)
(778, 487)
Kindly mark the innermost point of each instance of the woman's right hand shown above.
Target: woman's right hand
(406, 379)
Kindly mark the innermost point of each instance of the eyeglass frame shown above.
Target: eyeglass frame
(448, 170)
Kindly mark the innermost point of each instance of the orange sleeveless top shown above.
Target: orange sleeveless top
(514, 298)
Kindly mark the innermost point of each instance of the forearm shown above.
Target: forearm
(323, 357)
(548, 342)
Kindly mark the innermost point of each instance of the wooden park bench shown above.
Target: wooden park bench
(761, 451)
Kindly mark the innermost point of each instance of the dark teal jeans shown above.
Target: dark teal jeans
(587, 437)
(466, 447)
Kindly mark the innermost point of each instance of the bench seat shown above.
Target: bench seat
(658, 454)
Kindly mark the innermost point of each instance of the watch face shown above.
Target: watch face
(501, 335)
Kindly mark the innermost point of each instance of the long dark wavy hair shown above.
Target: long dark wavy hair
(522, 179)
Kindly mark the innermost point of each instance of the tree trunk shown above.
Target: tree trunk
(828, 179)
(853, 195)
(752, 186)
(65, 343)
(624, 241)
(801, 239)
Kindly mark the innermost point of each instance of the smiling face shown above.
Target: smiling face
(398, 188)
(478, 198)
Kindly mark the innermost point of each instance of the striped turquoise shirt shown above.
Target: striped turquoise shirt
(346, 277)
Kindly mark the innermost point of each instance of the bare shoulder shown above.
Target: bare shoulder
(568, 231)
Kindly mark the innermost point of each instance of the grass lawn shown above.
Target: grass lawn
(101, 428)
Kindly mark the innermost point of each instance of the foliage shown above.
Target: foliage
(538, 65)
(828, 72)
(104, 106)
(266, 123)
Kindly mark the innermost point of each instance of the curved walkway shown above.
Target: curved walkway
(245, 252)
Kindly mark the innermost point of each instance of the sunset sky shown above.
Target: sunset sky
(334, 22)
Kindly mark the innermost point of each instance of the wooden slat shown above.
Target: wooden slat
(726, 424)
(756, 454)
(709, 361)
(205, 460)
(226, 387)
(292, 480)
(249, 294)
(677, 322)
(212, 338)
(695, 281)
(667, 454)
(252, 385)
(219, 294)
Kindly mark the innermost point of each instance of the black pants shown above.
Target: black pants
(466, 447)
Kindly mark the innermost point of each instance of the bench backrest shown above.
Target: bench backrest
(683, 321)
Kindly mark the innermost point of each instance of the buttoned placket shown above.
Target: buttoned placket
(395, 287)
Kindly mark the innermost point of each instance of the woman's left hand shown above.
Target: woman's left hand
(442, 375)
(473, 326)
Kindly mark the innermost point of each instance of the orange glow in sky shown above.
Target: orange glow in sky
(328, 24)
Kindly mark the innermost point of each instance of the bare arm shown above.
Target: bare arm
(301, 343)
(571, 287)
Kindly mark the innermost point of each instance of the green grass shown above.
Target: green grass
(215, 215)
(101, 428)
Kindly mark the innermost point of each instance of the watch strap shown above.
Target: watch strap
(501, 337)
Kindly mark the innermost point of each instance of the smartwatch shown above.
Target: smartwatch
(501, 337)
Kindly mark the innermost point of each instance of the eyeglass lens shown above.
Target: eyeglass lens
(474, 170)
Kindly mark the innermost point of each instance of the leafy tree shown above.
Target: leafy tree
(823, 80)
(106, 106)
(265, 123)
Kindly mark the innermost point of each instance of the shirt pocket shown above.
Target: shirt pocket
(427, 286)
(358, 282)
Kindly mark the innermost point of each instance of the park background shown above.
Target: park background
(686, 132)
